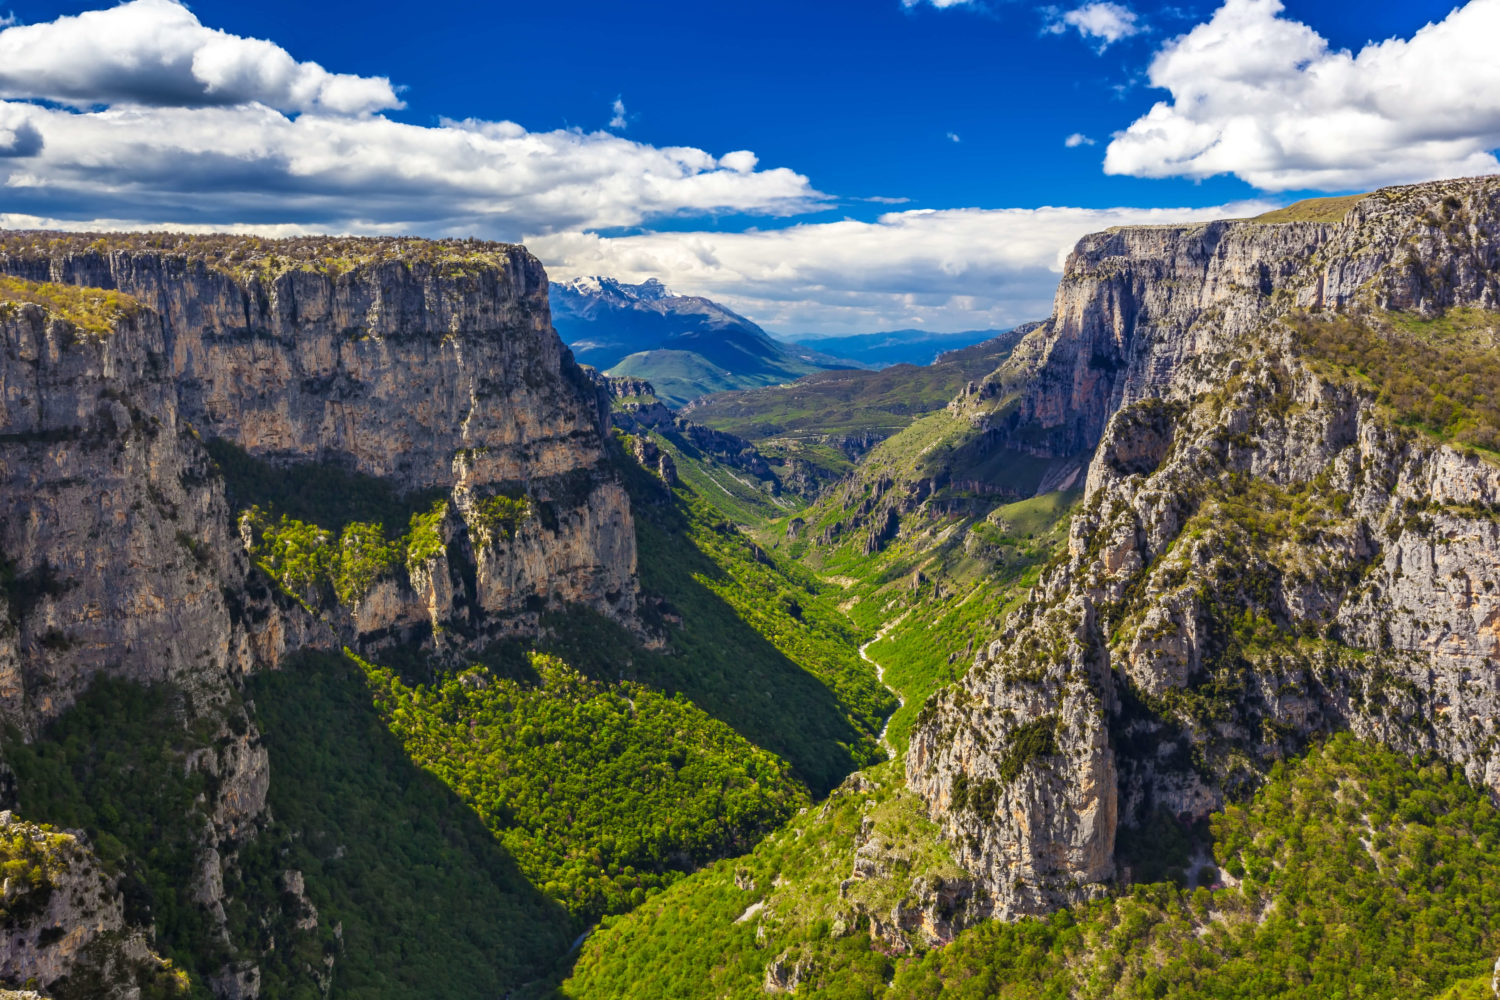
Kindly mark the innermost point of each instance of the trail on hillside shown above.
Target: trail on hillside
(880, 675)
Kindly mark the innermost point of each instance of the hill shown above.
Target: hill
(815, 429)
(685, 345)
(893, 347)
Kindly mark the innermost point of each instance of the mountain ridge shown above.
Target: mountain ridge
(686, 346)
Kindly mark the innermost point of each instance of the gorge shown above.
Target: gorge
(423, 650)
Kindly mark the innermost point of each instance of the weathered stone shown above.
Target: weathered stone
(1149, 356)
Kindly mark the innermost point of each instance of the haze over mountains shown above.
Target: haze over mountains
(892, 347)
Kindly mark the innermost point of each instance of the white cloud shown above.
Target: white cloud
(958, 269)
(1077, 139)
(6, 20)
(618, 108)
(953, 137)
(156, 52)
(253, 164)
(939, 4)
(197, 128)
(1263, 97)
(1104, 23)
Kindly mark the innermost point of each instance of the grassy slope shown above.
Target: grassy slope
(1354, 872)
(1439, 375)
(680, 376)
(808, 419)
(1312, 210)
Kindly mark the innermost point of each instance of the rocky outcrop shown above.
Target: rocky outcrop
(1263, 554)
(636, 410)
(62, 922)
(432, 366)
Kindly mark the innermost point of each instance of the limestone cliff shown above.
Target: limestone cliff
(427, 370)
(1267, 550)
(432, 366)
(119, 558)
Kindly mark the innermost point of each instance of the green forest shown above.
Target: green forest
(1354, 872)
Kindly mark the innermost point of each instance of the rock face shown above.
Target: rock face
(1263, 554)
(432, 366)
(64, 922)
(119, 559)
(114, 529)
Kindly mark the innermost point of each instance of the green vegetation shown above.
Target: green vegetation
(429, 903)
(93, 310)
(729, 489)
(753, 640)
(32, 862)
(325, 533)
(499, 516)
(601, 792)
(680, 376)
(320, 493)
(714, 933)
(1354, 872)
(935, 599)
(310, 562)
(1440, 375)
(1312, 210)
(818, 426)
(116, 766)
(253, 257)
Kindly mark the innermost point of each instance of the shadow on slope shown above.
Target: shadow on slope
(751, 642)
(429, 903)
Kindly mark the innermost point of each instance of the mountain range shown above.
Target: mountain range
(685, 345)
(892, 347)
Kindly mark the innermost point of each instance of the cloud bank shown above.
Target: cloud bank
(944, 270)
(175, 123)
(1263, 97)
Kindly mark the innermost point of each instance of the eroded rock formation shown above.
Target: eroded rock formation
(1264, 553)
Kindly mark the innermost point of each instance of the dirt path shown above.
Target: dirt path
(880, 675)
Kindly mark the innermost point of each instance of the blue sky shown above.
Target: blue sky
(823, 166)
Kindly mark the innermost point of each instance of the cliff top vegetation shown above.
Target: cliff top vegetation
(1312, 210)
(93, 309)
(245, 257)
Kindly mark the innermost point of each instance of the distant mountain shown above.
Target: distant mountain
(685, 345)
(892, 347)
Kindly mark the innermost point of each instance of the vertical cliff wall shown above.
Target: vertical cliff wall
(432, 366)
(119, 560)
(1268, 549)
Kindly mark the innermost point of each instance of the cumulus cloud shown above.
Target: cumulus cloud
(151, 116)
(1077, 139)
(156, 52)
(1101, 23)
(939, 4)
(253, 164)
(955, 269)
(1263, 97)
(618, 109)
(954, 137)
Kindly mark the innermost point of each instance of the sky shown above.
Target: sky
(833, 166)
